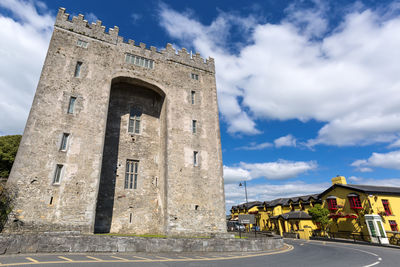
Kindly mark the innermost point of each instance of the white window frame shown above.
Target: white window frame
(82, 43)
(135, 121)
(71, 105)
(58, 172)
(131, 174)
(78, 69)
(64, 142)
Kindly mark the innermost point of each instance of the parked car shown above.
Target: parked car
(235, 226)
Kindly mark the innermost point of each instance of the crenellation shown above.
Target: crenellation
(142, 45)
(131, 42)
(153, 48)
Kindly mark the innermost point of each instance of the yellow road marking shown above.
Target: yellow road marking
(147, 259)
(122, 259)
(286, 248)
(64, 258)
(94, 258)
(33, 260)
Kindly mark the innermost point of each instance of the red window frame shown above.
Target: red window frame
(393, 225)
(355, 202)
(386, 206)
(332, 204)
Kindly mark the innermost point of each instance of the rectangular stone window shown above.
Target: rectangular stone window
(194, 126)
(193, 97)
(139, 61)
(71, 106)
(64, 142)
(135, 115)
(81, 43)
(131, 174)
(195, 158)
(57, 174)
(78, 69)
(195, 76)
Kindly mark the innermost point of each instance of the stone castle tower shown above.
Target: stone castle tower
(120, 138)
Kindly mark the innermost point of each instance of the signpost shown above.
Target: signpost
(246, 219)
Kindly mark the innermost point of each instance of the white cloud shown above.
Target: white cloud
(255, 146)
(395, 143)
(395, 182)
(91, 17)
(135, 17)
(283, 72)
(390, 160)
(281, 169)
(287, 140)
(235, 175)
(23, 44)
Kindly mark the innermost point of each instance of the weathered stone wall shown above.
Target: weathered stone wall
(13, 244)
(173, 195)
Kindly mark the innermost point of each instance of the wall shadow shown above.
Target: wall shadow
(105, 198)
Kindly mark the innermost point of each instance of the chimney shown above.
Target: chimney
(339, 180)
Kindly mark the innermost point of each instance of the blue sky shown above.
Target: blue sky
(307, 90)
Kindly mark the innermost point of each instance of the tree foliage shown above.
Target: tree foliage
(320, 215)
(6, 199)
(8, 150)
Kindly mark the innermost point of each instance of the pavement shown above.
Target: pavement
(295, 253)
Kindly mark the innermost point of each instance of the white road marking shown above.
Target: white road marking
(375, 263)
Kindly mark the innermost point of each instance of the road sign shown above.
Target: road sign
(247, 219)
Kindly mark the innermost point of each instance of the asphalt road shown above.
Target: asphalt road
(296, 253)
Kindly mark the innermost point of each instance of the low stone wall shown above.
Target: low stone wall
(45, 243)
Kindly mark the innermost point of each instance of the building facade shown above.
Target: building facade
(120, 138)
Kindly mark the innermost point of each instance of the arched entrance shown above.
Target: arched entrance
(131, 183)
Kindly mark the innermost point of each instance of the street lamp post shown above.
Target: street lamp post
(245, 189)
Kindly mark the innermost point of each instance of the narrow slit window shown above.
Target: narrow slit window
(131, 174)
(78, 69)
(194, 126)
(193, 96)
(57, 174)
(64, 142)
(71, 106)
(195, 158)
(51, 201)
(135, 115)
(130, 217)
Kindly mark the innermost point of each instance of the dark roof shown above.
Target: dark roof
(367, 189)
(286, 201)
(248, 205)
(293, 215)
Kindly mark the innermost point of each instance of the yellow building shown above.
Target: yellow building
(284, 216)
(350, 204)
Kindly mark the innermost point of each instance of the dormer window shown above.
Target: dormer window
(332, 204)
(355, 202)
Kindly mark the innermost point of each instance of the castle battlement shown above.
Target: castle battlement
(79, 25)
